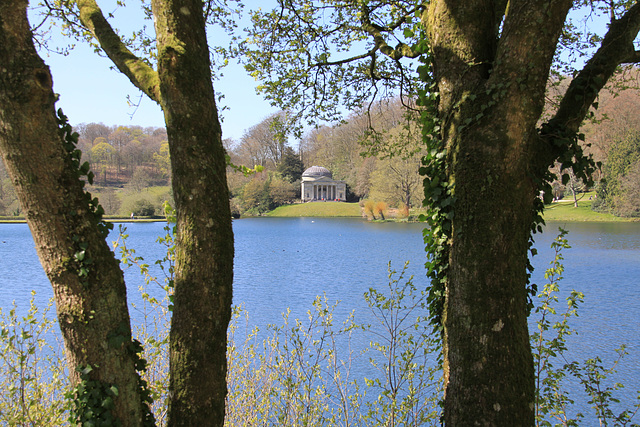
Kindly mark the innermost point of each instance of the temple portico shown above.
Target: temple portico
(318, 184)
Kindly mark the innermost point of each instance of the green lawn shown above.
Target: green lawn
(565, 211)
(318, 209)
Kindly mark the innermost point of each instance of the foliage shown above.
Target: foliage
(397, 181)
(32, 370)
(298, 374)
(143, 207)
(439, 198)
(407, 384)
(119, 151)
(549, 345)
(266, 191)
(9, 204)
(153, 331)
(283, 192)
(162, 159)
(139, 181)
(616, 192)
(551, 400)
(147, 203)
(92, 401)
(255, 195)
(304, 64)
(369, 209)
(380, 209)
(265, 143)
(302, 371)
(403, 211)
(291, 167)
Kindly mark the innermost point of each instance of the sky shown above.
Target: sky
(91, 91)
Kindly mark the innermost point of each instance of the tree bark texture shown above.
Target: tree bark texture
(204, 246)
(491, 84)
(491, 66)
(92, 312)
(204, 250)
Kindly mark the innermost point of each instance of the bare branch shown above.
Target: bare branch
(617, 48)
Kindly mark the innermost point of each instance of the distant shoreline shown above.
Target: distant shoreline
(20, 220)
(563, 211)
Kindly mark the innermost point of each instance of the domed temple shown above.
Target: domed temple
(318, 184)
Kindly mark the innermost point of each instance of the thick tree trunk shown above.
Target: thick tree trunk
(491, 77)
(87, 282)
(204, 250)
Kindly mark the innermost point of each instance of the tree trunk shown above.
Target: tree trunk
(488, 114)
(87, 282)
(204, 245)
(204, 249)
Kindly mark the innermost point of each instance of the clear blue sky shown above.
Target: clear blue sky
(90, 91)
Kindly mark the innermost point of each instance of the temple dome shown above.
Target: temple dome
(317, 171)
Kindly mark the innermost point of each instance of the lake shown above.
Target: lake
(284, 263)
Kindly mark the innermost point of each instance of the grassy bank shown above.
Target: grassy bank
(318, 209)
(564, 210)
(557, 211)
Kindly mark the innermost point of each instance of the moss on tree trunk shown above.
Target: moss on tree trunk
(87, 282)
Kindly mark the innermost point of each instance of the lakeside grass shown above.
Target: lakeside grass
(318, 209)
(564, 210)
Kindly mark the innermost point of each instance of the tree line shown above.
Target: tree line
(359, 150)
(377, 155)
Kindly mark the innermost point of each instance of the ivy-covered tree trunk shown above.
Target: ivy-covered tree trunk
(204, 247)
(491, 67)
(68, 232)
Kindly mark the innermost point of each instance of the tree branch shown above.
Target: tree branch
(139, 73)
(616, 48)
(402, 50)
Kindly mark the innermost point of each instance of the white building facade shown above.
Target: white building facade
(318, 184)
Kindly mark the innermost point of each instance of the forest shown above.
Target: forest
(378, 154)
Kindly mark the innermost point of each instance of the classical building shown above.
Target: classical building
(318, 184)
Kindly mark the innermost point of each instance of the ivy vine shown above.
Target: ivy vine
(121, 337)
(93, 400)
(440, 193)
(81, 258)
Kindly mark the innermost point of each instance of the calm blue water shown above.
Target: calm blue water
(284, 263)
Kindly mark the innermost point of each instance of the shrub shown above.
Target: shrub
(403, 211)
(300, 373)
(552, 368)
(381, 209)
(32, 369)
(369, 209)
(138, 205)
